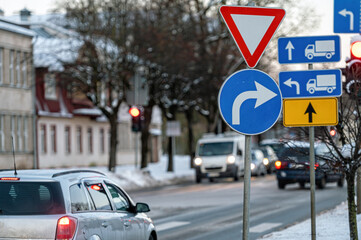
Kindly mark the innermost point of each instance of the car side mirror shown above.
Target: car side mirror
(239, 152)
(142, 207)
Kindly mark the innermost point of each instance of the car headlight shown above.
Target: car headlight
(231, 159)
(198, 161)
(253, 166)
(265, 161)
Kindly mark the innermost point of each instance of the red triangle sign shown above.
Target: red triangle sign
(252, 28)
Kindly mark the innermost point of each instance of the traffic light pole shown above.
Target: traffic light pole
(312, 175)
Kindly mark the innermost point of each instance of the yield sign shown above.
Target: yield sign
(252, 28)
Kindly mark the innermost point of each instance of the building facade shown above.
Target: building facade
(17, 104)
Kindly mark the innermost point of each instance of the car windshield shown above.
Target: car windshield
(215, 149)
(31, 198)
(295, 154)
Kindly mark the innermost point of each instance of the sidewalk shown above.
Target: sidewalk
(330, 225)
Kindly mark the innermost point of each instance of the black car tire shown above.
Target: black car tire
(198, 178)
(151, 237)
(302, 185)
(211, 179)
(322, 183)
(236, 175)
(281, 185)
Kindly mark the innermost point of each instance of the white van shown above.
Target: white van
(220, 156)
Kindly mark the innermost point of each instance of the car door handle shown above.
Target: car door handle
(104, 224)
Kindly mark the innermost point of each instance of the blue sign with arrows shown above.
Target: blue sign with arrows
(250, 102)
(346, 16)
(311, 83)
(313, 49)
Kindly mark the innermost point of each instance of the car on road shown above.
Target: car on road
(219, 156)
(293, 166)
(258, 168)
(70, 204)
(269, 159)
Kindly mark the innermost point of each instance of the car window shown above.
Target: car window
(120, 201)
(78, 199)
(99, 197)
(298, 154)
(31, 198)
(215, 149)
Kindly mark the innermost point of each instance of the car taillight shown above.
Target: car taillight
(278, 164)
(66, 228)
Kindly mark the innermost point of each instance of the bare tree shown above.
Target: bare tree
(107, 57)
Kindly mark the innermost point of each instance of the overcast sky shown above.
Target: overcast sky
(11, 7)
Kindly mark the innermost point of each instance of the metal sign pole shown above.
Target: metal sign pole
(312, 176)
(247, 186)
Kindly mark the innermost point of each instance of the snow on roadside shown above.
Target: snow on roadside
(330, 225)
(131, 178)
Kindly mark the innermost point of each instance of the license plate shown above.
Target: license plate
(213, 174)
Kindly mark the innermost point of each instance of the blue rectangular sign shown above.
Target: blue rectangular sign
(346, 16)
(315, 49)
(310, 84)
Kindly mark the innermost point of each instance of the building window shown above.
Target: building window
(17, 69)
(102, 141)
(67, 140)
(50, 86)
(43, 138)
(19, 134)
(53, 138)
(79, 139)
(26, 134)
(12, 130)
(90, 140)
(11, 67)
(25, 69)
(1, 66)
(2, 135)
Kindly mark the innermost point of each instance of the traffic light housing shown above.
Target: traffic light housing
(137, 115)
(333, 131)
(354, 63)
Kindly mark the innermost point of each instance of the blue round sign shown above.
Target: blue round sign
(250, 102)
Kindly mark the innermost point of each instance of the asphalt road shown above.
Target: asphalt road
(213, 211)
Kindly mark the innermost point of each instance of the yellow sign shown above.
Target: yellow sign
(310, 112)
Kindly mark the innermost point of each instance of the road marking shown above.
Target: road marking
(264, 227)
(170, 225)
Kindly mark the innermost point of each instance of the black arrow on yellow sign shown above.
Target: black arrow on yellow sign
(310, 110)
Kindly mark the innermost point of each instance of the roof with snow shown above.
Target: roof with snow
(16, 29)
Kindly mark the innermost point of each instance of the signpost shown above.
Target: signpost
(309, 49)
(311, 83)
(252, 28)
(310, 112)
(246, 96)
(346, 16)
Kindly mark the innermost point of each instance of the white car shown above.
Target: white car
(75, 204)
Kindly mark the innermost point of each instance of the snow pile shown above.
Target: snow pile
(131, 178)
(330, 225)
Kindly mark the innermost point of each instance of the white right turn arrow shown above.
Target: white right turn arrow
(262, 95)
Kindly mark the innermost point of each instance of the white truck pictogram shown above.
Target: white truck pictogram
(325, 48)
(326, 82)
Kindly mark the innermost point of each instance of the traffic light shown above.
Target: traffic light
(137, 118)
(354, 63)
(333, 131)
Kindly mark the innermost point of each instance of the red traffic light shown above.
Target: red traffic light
(356, 50)
(134, 111)
(332, 132)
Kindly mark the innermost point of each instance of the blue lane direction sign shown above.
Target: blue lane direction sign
(250, 102)
(311, 83)
(313, 49)
(346, 16)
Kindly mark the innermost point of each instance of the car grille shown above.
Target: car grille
(213, 168)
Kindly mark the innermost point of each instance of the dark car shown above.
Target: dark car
(293, 166)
